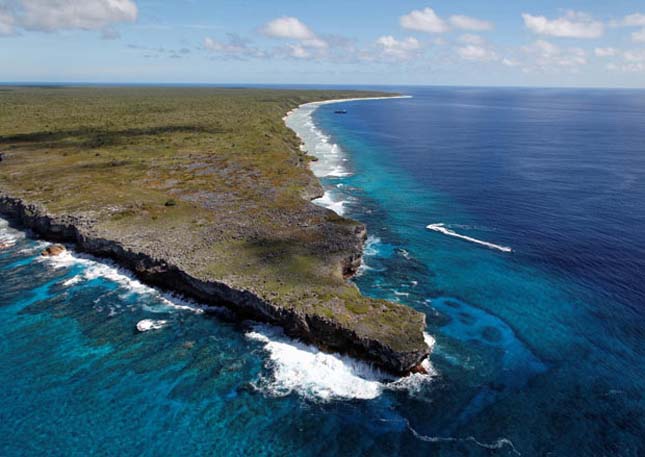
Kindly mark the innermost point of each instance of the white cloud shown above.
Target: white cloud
(635, 56)
(572, 25)
(307, 44)
(475, 48)
(632, 61)
(288, 27)
(477, 53)
(639, 36)
(470, 38)
(315, 43)
(543, 49)
(398, 49)
(633, 20)
(547, 57)
(470, 23)
(299, 51)
(52, 15)
(234, 46)
(509, 62)
(605, 52)
(425, 20)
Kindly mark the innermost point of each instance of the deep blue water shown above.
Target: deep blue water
(539, 351)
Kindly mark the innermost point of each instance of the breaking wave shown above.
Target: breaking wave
(331, 161)
(294, 366)
(92, 269)
(441, 228)
(8, 236)
(315, 375)
(328, 201)
(146, 325)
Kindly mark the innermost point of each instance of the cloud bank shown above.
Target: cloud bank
(572, 25)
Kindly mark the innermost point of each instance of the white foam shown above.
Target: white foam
(370, 249)
(498, 444)
(371, 245)
(8, 236)
(441, 228)
(313, 374)
(328, 201)
(146, 325)
(430, 341)
(94, 269)
(331, 158)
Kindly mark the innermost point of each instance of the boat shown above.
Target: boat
(340, 111)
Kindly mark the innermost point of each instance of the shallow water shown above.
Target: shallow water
(538, 350)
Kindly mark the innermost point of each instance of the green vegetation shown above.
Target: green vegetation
(209, 178)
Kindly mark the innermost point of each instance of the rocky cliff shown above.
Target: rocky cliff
(205, 192)
(326, 333)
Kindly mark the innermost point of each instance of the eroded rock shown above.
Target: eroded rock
(53, 250)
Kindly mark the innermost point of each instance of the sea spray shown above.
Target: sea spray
(330, 163)
(328, 201)
(319, 376)
(294, 366)
(91, 268)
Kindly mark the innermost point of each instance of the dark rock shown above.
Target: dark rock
(53, 250)
(159, 270)
(420, 369)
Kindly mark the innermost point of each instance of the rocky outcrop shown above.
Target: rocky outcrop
(324, 332)
(53, 250)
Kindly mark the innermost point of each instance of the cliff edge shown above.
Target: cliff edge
(204, 192)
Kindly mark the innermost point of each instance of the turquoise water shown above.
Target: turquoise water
(538, 351)
(545, 344)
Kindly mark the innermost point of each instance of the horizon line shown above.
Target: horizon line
(29, 83)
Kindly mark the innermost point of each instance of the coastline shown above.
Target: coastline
(325, 200)
(162, 273)
(397, 349)
(341, 100)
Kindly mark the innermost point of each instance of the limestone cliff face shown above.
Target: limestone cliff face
(326, 333)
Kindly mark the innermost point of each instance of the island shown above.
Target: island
(205, 192)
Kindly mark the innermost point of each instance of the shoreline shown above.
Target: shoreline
(424, 363)
(396, 349)
(331, 205)
(341, 100)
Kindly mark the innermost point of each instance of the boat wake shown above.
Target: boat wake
(441, 228)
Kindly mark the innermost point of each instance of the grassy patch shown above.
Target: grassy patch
(211, 178)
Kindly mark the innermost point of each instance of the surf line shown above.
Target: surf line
(441, 228)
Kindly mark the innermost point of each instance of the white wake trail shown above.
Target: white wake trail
(441, 228)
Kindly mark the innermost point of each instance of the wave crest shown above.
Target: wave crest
(318, 376)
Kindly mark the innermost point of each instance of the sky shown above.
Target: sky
(591, 43)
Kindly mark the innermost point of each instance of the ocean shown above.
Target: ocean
(513, 218)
